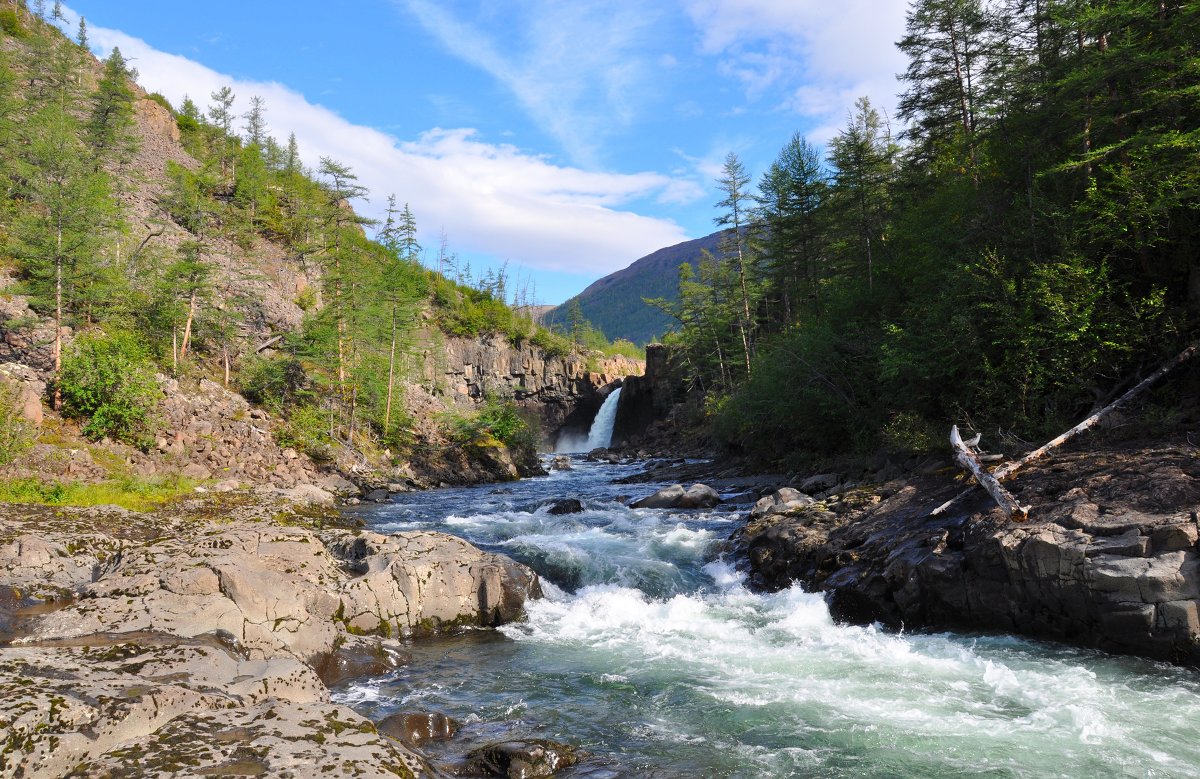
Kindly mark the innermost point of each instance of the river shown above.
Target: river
(652, 655)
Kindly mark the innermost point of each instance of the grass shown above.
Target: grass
(131, 492)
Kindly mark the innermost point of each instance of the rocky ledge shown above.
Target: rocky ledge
(200, 641)
(1108, 558)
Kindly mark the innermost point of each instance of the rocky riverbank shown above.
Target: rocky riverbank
(200, 640)
(1108, 558)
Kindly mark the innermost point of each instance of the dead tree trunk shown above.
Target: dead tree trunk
(1004, 499)
(1006, 471)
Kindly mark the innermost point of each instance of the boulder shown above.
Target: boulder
(666, 498)
(561, 463)
(563, 506)
(377, 496)
(699, 496)
(522, 759)
(418, 728)
(695, 497)
(308, 495)
(819, 482)
(781, 502)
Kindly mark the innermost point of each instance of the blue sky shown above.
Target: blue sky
(567, 137)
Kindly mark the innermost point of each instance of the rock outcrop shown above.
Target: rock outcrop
(202, 637)
(1109, 558)
(559, 390)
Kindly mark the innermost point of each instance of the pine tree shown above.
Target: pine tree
(57, 13)
(863, 157)
(220, 112)
(256, 122)
(791, 195)
(947, 43)
(58, 237)
(110, 128)
(82, 37)
(732, 183)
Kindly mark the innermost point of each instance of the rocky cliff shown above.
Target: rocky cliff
(561, 391)
(648, 401)
(1108, 559)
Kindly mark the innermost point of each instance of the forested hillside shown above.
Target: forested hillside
(1018, 246)
(616, 304)
(192, 241)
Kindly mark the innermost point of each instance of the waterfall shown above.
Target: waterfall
(602, 425)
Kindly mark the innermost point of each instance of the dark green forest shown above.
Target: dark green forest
(1015, 246)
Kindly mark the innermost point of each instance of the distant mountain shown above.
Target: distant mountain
(614, 304)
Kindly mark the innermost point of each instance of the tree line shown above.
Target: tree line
(1020, 242)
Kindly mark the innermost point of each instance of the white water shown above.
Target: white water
(602, 426)
(665, 665)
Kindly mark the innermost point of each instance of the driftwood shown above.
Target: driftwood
(268, 344)
(969, 460)
(1005, 471)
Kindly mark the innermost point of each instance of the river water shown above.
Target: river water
(653, 656)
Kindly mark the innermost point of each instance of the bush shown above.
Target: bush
(11, 23)
(109, 381)
(275, 384)
(159, 98)
(16, 434)
(307, 431)
(499, 419)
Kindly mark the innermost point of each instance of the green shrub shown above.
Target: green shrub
(10, 22)
(131, 492)
(159, 98)
(275, 383)
(16, 434)
(109, 381)
(307, 431)
(499, 419)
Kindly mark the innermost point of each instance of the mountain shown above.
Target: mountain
(614, 303)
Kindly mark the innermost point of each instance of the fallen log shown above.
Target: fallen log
(1005, 471)
(268, 344)
(969, 460)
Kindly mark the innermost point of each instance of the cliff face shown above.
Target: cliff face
(648, 398)
(559, 391)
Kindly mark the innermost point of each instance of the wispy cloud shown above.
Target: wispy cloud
(580, 69)
(824, 54)
(492, 199)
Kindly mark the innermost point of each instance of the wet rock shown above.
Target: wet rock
(1108, 559)
(666, 498)
(695, 497)
(523, 759)
(377, 496)
(563, 506)
(418, 728)
(357, 658)
(561, 463)
(699, 496)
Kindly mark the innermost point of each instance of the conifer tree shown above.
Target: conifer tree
(256, 122)
(736, 205)
(110, 128)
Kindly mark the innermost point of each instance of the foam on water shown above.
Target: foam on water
(652, 655)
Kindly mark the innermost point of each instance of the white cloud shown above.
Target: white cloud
(825, 53)
(579, 69)
(493, 199)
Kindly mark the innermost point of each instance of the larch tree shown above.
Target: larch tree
(737, 205)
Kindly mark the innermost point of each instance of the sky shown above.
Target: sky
(566, 138)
